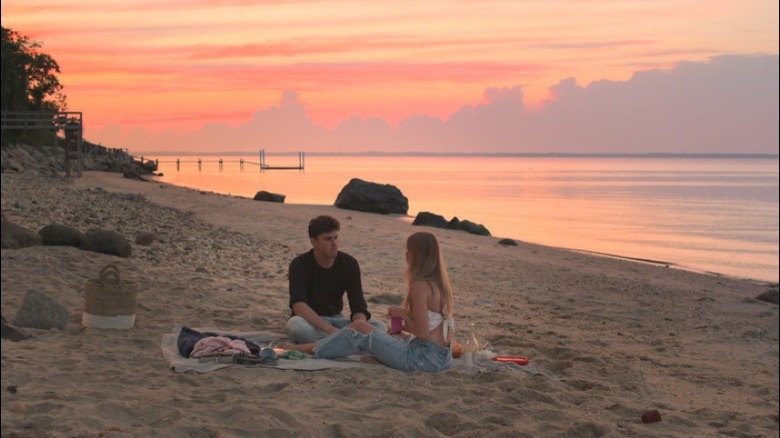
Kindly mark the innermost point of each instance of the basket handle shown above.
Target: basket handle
(110, 271)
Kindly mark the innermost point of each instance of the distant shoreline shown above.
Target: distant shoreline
(466, 154)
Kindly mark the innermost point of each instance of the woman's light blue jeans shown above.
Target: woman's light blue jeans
(401, 354)
(301, 332)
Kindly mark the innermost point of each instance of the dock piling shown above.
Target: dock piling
(262, 165)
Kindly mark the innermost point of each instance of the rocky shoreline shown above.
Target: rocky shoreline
(49, 160)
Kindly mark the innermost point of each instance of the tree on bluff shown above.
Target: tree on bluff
(29, 78)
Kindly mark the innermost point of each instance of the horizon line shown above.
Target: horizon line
(472, 154)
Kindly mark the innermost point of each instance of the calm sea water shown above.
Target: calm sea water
(706, 214)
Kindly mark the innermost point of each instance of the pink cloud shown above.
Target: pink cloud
(726, 105)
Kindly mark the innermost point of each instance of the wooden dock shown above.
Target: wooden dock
(261, 165)
(264, 166)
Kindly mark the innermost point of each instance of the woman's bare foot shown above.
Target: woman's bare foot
(369, 359)
(304, 348)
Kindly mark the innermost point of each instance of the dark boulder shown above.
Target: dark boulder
(468, 226)
(434, 220)
(106, 242)
(770, 296)
(60, 235)
(149, 166)
(372, 197)
(15, 236)
(429, 219)
(133, 171)
(262, 195)
(471, 227)
(41, 311)
(453, 224)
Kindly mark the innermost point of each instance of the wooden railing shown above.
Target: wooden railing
(69, 122)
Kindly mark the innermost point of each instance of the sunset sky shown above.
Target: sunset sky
(601, 76)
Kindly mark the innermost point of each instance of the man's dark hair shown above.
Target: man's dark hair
(323, 224)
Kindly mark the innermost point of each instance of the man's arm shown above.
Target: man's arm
(359, 316)
(358, 307)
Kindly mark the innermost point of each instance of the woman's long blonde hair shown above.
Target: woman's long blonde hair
(426, 263)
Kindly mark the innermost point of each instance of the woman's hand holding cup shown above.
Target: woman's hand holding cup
(396, 315)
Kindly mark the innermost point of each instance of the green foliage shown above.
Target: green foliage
(29, 78)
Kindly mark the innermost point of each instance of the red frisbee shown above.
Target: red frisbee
(513, 359)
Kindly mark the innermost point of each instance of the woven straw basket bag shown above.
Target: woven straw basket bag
(109, 301)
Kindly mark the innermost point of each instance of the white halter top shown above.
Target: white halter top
(436, 318)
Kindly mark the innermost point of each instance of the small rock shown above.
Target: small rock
(770, 296)
(652, 416)
(145, 238)
(262, 195)
(12, 333)
(19, 408)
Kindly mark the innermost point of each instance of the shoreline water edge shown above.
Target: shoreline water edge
(616, 347)
(705, 215)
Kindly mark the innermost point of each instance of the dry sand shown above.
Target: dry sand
(616, 337)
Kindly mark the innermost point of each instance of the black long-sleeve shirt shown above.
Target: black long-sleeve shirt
(323, 289)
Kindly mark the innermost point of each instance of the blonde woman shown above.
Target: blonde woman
(426, 311)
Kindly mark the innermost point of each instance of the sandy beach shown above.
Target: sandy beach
(612, 338)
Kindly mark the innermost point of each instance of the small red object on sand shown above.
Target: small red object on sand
(651, 416)
(513, 359)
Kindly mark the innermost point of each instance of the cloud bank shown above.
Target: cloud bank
(726, 105)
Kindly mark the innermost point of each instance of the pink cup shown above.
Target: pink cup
(396, 322)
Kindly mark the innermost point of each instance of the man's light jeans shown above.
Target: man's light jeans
(301, 332)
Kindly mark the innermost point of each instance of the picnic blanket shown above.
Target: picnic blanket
(178, 363)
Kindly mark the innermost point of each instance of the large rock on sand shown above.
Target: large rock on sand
(16, 236)
(428, 219)
(41, 311)
(60, 235)
(263, 195)
(372, 197)
(106, 242)
(468, 226)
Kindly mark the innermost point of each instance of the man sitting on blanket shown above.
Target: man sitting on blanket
(318, 280)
